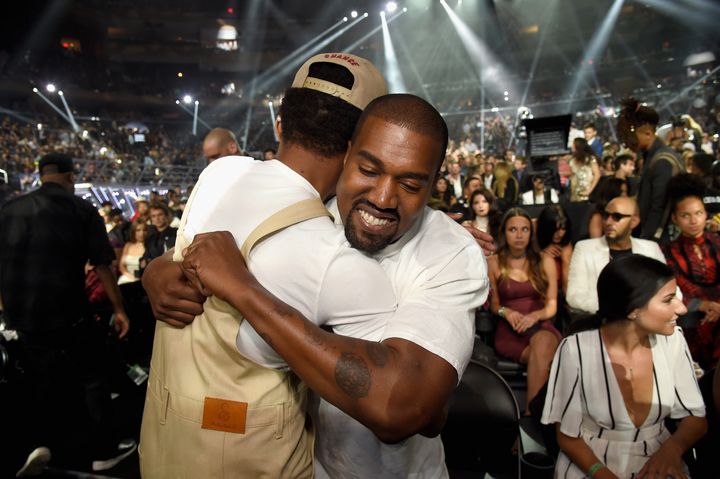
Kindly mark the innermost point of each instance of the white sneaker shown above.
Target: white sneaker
(125, 448)
(36, 462)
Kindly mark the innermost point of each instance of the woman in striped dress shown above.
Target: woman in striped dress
(611, 388)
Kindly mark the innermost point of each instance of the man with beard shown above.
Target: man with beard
(390, 387)
(590, 256)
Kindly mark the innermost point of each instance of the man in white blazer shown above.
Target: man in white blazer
(590, 256)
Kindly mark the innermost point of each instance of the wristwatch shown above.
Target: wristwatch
(501, 311)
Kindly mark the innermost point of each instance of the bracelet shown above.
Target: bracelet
(595, 468)
(501, 311)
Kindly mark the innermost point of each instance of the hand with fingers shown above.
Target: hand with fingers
(665, 463)
(173, 299)
(214, 265)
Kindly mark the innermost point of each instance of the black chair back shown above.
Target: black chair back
(482, 425)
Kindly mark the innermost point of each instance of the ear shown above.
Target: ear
(278, 127)
(634, 221)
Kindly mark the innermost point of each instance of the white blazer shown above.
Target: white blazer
(589, 257)
(528, 198)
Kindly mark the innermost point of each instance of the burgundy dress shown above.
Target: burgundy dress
(521, 297)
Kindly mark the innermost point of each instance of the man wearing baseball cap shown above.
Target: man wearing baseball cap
(210, 411)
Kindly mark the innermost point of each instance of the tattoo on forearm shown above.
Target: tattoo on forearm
(352, 375)
(378, 354)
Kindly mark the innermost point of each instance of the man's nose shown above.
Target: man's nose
(384, 193)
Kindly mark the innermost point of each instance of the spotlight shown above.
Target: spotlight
(659, 85)
(50, 88)
(390, 7)
(382, 14)
(177, 102)
(365, 14)
(60, 92)
(197, 102)
(404, 9)
(39, 126)
(270, 103)
(187, 99)
(505, 93)
(35, 90)
(180, 74)
(344, 19)
(354, 14)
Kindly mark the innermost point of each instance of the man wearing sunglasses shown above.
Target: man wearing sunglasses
(590, 256)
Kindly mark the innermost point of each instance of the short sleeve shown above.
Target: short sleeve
(563, 403)
(688, 399)
(438, 312)
(356, 297)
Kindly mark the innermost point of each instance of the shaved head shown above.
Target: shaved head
(624, 205)
(218, 143)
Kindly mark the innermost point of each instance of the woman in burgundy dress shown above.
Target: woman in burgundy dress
(695, 258)
(524, 294)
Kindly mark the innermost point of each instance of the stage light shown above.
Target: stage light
(405, 9)
(390, 7)
(39, 126)
(344, 19)
(365, 15)
(382, 14)
(187, 99)
(177, 102)
(659, 85)
(50, 88)
(60, 92)
(396, 84)
(354, 14)
(180, 74)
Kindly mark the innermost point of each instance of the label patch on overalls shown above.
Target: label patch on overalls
(224, 415)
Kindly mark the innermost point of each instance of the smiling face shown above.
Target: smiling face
(386, 183)
(660, 315)
(690, 216)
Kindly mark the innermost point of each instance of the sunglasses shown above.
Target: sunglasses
(615, 216)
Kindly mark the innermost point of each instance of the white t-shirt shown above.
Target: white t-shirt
(309, 265)
(439, 276)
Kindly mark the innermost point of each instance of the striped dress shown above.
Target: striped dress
(584, 397)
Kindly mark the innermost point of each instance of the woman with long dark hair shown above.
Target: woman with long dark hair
(611, 387)
(553, 237)
(523, 287)
(585, 172)
(484, 214)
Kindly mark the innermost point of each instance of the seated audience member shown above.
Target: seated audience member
(607, 191)
(134, 249)
(142, 210)
(462, 207)
(591, 255)
(523, 286)
(695, 258)
(553, 236)
(612, 386)
(441, 196)
(540, 195)
(585, 172)
(483, 212)
(623, 168)
(161, 237)
(488, 173)
(119, 232)
(506, 186)
(455, 179)
(519, 165)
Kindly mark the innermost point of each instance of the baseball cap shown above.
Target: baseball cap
(368, 81)
(62, 163)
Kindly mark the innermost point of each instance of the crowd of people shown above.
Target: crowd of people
(591, 260)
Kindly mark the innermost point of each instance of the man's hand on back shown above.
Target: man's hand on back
(173, 299)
